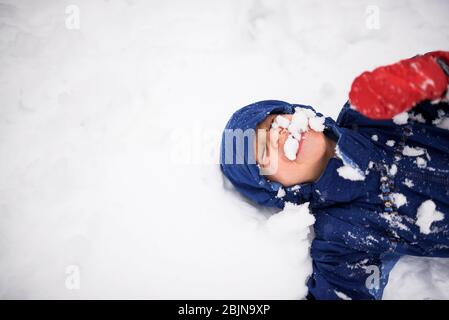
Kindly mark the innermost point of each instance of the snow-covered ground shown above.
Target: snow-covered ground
(109, 135)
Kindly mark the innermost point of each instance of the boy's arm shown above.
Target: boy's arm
(342, 273)
(390, 90)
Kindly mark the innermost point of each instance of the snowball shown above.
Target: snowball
(297, 135)
(291, 146)
(350, 173)
(401, 118)
(317, 123)
(374, 137)
(310, 113)
(390, 143)
(426, 215)
(282, 122)
(293, 129)
(399, 199)
(412, 152)
(299, 119)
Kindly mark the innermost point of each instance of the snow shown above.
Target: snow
(341, 295)
(409, 183)
(350, 173)
(390, 143)
(399, 199)
(281, 193)
(317, 123)
(426, 279)
(109, 136)
(412, 151)
(282, 122)
(426, 215)
(292, 228)
(417, 117)
(393, 170)
(421, 162)
(291, 146)
(300, 119)
(443, 123)
(401, 118)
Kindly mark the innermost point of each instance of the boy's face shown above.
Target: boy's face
(310, 159)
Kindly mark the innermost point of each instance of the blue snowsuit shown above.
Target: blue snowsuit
(364, 226)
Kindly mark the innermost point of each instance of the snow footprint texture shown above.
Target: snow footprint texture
(302, 120)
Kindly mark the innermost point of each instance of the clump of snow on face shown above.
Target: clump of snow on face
(390, 143)
(281, 193)
(412, 151)
(374, 137)
(426, 215)
(409, 183)
(300, 119)
(296, 135)
(393, 170)
(282, 122)
(292, 128)
(399, 199)
(317, 123)
(291, 146)
(421, 162)
(350, 173)
(401, 118)
(342, 296)
(310, 113)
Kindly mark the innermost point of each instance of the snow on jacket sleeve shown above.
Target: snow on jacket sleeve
(390, 90)
(340, 272)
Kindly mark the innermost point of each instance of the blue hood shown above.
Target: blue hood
(244, 175)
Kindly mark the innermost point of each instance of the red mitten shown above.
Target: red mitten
(390, 90)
